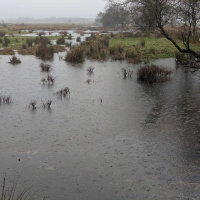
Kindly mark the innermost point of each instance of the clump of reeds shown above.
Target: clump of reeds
(63, 92)
(14, 60)
(96, 50)
(183, 58)
(152, 74)
(47, 104)
(127, 73)
(32, 105)
(44, 52)
(117, 52)
(5, 100)
(90, 70)
(45, 67)
(133, 55)
(9, 193)
(75, 55)
(49, 80)
(60, 41)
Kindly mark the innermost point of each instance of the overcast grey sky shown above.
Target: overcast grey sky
(50, 8)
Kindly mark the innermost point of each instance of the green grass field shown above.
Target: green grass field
(153, 47)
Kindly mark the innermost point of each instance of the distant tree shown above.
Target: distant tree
(114, 16)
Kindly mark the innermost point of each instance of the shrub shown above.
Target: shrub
(75, 55)
(6, 41)
(45, 52)
(60, 41)
(1, 41)
(152, 74)
(41, 40)
(29, 42)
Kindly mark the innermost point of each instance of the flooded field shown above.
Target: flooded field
(112, 139)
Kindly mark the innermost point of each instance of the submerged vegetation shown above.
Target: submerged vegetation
(14, 60)
(75, 55)
(153, 74)
(9, 193)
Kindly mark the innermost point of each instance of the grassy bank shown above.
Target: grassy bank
(150, 46)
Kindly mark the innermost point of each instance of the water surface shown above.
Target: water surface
(140, 142)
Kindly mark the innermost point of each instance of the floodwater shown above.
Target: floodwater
(112, 139)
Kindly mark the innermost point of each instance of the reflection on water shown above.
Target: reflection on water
(140, 142)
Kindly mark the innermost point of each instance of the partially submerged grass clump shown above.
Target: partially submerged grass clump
(14, 60)
(32, 105)
(48, 80)
(45, 67)
(44, 52)
(5, 100)
(127, 73)
(9, 193)
(90, 70)
(96, 50)
(63, 92)
(183, 58)
(153, 74)
(75, 55)
(47, 104)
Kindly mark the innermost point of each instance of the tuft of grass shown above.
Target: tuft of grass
(14, 60)
(75, 55)
(44, 52)
(153, 74)
(9, 193)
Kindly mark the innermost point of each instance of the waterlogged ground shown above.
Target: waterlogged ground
(140, 142)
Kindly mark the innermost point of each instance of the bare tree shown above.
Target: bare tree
(157, 14)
